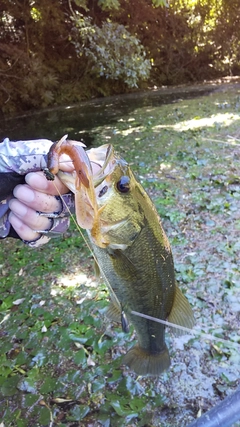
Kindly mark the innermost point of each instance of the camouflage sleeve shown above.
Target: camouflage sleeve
(22, 157)
(4, 223)
(17, 158)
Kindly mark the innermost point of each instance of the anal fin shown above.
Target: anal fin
(181, 313)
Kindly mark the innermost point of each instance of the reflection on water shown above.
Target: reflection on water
(79, 121)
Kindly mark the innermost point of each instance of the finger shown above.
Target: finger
(29, 216)
(24, 232)
(65, 163)
(37, 200)
(39, 182)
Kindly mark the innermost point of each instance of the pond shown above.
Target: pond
(79, 121)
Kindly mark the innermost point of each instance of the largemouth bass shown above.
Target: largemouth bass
(135, 259)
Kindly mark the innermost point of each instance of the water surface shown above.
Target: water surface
(79, 121)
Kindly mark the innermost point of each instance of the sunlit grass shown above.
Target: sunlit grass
(225, 119)
(58, 348)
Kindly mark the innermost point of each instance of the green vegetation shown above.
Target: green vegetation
(60, 358)
(56, 53)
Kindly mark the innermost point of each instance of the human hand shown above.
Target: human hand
(37, 211)
(37, 215)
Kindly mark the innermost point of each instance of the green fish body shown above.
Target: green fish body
(135, 259)
(137, 264)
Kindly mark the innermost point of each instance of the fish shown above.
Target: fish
(80, 182)
(134, 258)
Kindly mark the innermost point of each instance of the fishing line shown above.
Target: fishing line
(187, 330)
(86, 241)
(146, 316)
(75, 223)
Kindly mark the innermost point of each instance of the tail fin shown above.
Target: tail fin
(144, 363)
(181, 312)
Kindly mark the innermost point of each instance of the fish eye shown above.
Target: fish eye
(103, 191)
(123, 185)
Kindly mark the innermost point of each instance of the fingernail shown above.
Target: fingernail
(15, 222)
(36, 180)
(18, 208)
(24, 193)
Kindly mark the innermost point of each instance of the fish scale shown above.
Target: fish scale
(142, 284)
(141, 276)
(133, 255)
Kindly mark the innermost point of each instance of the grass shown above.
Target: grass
(60, 359)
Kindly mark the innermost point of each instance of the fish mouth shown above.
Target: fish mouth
(88, 204)
(103, 161)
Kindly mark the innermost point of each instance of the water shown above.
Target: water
(80, 120)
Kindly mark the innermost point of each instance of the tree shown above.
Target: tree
(63, 51)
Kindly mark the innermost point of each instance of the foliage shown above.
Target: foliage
(52, 53)
(114, 53)
(109, 4)
(60, 359)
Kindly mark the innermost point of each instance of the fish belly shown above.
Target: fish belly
(139, 282)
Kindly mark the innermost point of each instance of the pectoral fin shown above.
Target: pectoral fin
(181, 313)
(113, 312)
(97, 271)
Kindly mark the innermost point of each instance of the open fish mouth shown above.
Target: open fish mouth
(93, 169)
(102, 161)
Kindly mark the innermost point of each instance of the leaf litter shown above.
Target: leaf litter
(61, 358)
